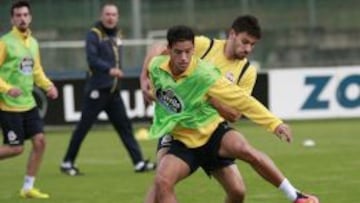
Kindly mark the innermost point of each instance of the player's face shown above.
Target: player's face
(109, 16)
(242, 44)
(180, 56)
(21, 18)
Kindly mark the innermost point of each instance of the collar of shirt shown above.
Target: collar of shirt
(22, 35)
(192, 65)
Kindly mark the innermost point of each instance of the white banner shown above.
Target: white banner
(303, 93)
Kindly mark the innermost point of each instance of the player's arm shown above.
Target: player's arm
(233, 96)
(4, 86)
(155, 50)
(228, 113)
(41, 80)
(246, 83)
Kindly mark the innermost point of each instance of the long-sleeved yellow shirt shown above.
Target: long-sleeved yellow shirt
(40, 78)
(230, 95)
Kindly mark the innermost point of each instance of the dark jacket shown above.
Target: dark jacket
(101, 47)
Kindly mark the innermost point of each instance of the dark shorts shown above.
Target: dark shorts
(19, 126)
(205, 156)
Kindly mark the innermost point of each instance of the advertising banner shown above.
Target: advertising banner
(308, 93)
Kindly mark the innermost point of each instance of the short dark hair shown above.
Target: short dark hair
(179, 33)
(108, 3)
(247, 23)
(19, 4)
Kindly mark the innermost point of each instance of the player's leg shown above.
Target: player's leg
(170, 171)
(231, 180)
(33, 129)
(36, 154)
(118, 117)
(222, 168)
(93, 104)
(162, 148)
(13, 134)
(177, 164)
(235, 145)
(7, 151)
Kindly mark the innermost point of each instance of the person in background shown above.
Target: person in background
(20, 68)
(102, 92)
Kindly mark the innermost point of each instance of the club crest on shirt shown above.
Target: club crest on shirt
(26, 65)
(169, 100)
(230, 76)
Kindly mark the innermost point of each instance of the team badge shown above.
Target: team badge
(26, 65)
(94, 94)
(12, 137)
(230, 76)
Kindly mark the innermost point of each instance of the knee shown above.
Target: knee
(39, 142)
(247, 153)
(162, 184)
(16, 150)
(236, 194)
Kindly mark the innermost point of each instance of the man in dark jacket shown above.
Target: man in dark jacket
(103, 51)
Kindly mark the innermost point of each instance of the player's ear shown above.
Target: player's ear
(232, 33)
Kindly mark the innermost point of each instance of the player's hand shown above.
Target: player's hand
(283, 131)
(14, 92)
(52, 92)
(116, 72)
(226, 112)
(146, 89)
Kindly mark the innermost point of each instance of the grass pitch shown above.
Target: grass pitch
(331, 169)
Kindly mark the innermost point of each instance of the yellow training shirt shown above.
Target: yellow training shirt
(230, 68)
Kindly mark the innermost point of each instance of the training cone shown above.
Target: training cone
(142, 134)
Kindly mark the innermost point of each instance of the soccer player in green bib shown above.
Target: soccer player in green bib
(20, 68)
(182, 84)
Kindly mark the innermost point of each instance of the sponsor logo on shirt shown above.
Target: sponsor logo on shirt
(169, 100)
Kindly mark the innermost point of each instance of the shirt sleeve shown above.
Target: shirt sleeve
(4, 86)
(202, 43)
(233, 96)
(40, 78)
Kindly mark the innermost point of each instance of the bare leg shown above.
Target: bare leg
(36, 154)
(170, 171)
(150, 196)
(7, 151)
(235, 145)
(232, 182)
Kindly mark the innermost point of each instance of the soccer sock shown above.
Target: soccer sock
(288, 189)
(66, 164)
(28, 183)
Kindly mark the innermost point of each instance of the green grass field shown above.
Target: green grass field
(331, 169)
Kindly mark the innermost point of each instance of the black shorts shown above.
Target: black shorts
(19, 126)
(205, 156)
(165, 141)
